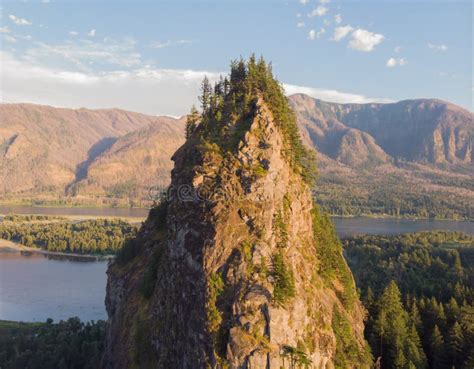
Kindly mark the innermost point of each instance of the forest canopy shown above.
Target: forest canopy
(99, 236)
(418, 291)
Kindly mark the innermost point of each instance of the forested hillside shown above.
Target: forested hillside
(418, 290)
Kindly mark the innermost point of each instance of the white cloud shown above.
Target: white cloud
(338, 18)
(91, 33)
(161, 45)
(364, 40)
(312, 35)
(4, 29)
(318, 11)
(298, 15)
(83, 53)
(435, 47)
(146, 90)
(331, 95)
(448, 75)
(394, 62)
(74, 33)
(19, 21)
(304, 2)
(300, 24)
(341, 32)
(26, 37)
(324, 1)
(9, 39)
(397, 49)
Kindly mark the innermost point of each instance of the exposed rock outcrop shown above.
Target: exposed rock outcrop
(237, 268)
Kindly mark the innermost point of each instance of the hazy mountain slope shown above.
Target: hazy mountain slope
(408, 158)
(424, 130)
(413, 157)
(135, 162)
(45, 149)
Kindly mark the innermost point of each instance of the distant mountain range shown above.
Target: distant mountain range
(413, 157)
(423, 131)
(81, 156)
(410, 158)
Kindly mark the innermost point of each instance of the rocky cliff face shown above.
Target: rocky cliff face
(237, 269)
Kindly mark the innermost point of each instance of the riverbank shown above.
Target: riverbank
(79, 213)
(9, 246)
(138, 214)
(404, 217)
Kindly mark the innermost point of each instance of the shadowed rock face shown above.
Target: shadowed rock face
(236, 268)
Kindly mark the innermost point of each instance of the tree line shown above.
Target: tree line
(338, 196)
(99, 236)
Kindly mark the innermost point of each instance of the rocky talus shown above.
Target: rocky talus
(235, 269)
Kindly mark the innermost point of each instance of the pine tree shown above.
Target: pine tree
(414, 348)
(371, 306)
(398, 346)
(455, 344)
(415, 315)
(436, 347)
(467, 324)
(191, 122)
(206, 94)
(452, 311)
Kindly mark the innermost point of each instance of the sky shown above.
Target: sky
(150, 56)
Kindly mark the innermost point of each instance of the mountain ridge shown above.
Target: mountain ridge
(51, 171)
(427, 115)
(44, 148)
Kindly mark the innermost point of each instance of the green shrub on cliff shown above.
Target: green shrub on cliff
(284, 279)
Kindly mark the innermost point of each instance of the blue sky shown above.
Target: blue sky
(150, 56)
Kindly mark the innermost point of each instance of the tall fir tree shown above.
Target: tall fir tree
(436, 348)
(398, 346)
(192, 121)
(206, 93)
(455, 345)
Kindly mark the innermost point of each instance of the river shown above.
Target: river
(36, 287)
(79, 211)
